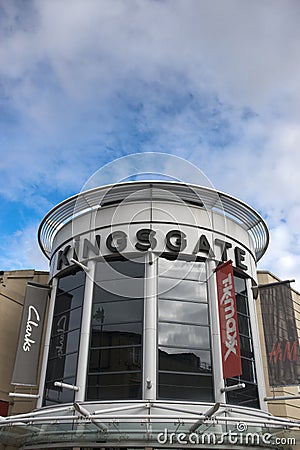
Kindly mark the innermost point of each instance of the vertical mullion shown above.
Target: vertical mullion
(149, 381)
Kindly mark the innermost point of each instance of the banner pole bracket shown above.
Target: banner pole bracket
(235, 387)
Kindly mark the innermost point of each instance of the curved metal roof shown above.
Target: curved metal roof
(103, 196)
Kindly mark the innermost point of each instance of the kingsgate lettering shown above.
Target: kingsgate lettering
(32, 321)
(174, 241)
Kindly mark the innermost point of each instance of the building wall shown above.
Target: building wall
(281, 408)
(12, 294)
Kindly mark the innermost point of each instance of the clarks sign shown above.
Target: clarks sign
(161, 240)
(30, 336)
(33, 320)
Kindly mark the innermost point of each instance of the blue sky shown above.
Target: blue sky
(84, 82)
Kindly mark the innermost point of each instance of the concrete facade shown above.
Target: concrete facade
(12, 294)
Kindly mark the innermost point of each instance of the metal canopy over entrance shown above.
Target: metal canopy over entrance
(143, 424)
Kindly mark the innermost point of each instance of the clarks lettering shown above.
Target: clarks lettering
(32, 321)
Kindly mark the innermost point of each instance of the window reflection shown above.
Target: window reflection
(65, 337)
(115, 359)
(185, 387)
(182, 289)
(183, 360)
(184, 354)
(249, 395)
(188, 312)
(178, 335)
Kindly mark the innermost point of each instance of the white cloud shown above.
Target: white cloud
(214, 82)
(21, 251)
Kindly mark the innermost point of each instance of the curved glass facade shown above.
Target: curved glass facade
(115, 357)
(249, 395)
(183, 354)
(137, 310)
(65, 337)
(184, 345)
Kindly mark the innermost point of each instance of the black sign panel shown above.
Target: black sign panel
(281, 336)
(30, 336)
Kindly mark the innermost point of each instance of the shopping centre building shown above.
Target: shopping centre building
(158, 331)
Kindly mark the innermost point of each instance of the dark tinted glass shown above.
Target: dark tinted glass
(111, 270)
(116, 335)
(243, 324)
(57, 395)
(183, 360)
(244, 397)
(117, 312)
(112, 359)
(121, 334)
(186, 387)
(68, 300)
(64, 343)
(71, 281)
(242, 304)
(65, 337)
(114, 386)
(247, 396)
(184, 354)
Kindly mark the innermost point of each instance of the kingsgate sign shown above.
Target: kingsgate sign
(162, 240)
(230, 344)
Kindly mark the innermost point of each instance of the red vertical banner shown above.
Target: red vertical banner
(230, 342)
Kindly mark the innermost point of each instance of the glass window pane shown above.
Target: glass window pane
(240, 285)
(180, 269)
(183, 360)
(68, 300)
(244, 397)
(185, 312)
(190, 336)
(186, 387)
(123, 288)
(115, 386)
(54, 395)
(71, 281)
(242, 304)
(64, 343)
(111, 270)
(116, 335)
(248, 373)
(243, 325)
(60, 368)
(70, 365)
(185, 290)
(117, 312)
(117, 326)
(115, 359)
(246, 347)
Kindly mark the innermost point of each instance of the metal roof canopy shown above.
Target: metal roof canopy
(192, 195)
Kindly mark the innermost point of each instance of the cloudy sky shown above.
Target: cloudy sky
(83, 82)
